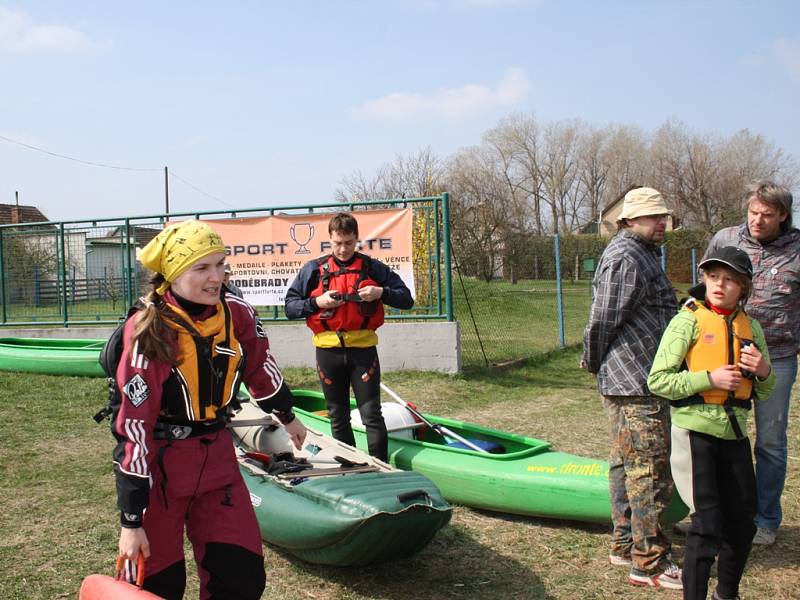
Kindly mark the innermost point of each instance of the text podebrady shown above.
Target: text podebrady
(258, 283)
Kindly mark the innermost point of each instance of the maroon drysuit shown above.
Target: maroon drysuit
(166, 484)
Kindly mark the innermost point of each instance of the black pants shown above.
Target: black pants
(340, 368)
(715, 478)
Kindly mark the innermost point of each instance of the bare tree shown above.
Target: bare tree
(498, 147)
(627, 156)
(532, 178)
(408, 176)
(703, 175)
(479, 216)
(560, 173)
(523, 136)
(593, 170)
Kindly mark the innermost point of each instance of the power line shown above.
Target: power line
(197, 189)
(118, 168)
(78, 160)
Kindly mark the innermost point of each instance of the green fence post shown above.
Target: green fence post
(438, 243)
(2, 277)
(63, 275)
(126, 263)
(448, 275)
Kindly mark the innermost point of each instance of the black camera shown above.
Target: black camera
(745, 373)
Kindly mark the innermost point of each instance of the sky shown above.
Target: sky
(269, 104)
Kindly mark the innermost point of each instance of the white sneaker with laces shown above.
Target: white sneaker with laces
(670, 578)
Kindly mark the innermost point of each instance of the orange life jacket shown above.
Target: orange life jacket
(209, 373)
(719, 343)
(352, 315)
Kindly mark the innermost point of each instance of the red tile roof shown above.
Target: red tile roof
(26, 214)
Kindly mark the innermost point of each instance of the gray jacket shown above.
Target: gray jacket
(775, 300)
(632, 305)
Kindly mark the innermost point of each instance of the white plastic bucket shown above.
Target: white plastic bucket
(395, 416)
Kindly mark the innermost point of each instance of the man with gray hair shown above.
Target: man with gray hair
(633, 301)
(772, 245)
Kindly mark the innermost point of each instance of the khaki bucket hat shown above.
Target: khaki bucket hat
(641, 202)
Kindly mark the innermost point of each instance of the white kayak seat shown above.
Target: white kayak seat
(399, 420)
(260, 431)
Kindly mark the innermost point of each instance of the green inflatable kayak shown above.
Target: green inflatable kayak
(332, 504)
(51, 356)
(518, 475)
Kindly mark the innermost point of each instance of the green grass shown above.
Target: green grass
(506, 321)
(58, 522)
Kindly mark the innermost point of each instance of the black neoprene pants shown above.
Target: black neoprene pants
(338, 370)
(723, 489)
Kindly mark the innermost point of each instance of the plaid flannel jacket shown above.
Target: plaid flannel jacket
(633, 301)
(775, 300)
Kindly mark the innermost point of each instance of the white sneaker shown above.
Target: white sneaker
(670, 578)
(620, 561)
(764, 537)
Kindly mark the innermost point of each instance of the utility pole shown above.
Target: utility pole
(166, 189)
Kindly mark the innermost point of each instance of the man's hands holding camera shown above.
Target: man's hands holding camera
(334, 299)
(329, 299)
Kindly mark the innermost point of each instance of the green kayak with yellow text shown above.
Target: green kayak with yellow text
(520, 475)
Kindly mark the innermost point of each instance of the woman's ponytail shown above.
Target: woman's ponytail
(155, 338)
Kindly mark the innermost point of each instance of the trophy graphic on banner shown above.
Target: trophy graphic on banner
(302, 233)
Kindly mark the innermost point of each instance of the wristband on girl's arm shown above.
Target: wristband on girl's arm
(130, 520)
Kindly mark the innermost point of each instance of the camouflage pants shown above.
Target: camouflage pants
(639, 478)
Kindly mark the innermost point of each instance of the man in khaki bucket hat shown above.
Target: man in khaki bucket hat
(643, 202)
(632, 304)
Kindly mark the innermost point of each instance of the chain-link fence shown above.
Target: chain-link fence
(83, 272)
(62, 273)
(538, 300)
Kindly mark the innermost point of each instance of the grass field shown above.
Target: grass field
(58, 523)
(504, 321)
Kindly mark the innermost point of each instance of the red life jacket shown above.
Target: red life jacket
(350, 316)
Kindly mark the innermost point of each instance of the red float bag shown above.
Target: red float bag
(103, 587)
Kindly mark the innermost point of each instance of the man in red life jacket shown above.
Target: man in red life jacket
(341, 297)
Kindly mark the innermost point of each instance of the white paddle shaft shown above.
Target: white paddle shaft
(441, 429)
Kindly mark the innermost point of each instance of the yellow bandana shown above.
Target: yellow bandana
(177, 248)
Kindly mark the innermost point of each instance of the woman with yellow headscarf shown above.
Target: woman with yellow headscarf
(182, 362)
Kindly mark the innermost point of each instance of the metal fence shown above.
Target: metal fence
(544, 304)
(85, 272)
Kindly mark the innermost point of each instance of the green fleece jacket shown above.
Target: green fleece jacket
(670, 379)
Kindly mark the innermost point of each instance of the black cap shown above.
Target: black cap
(732, 257)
